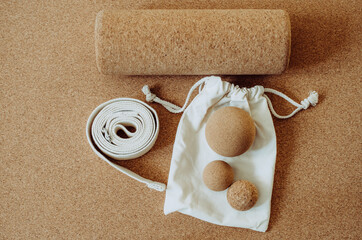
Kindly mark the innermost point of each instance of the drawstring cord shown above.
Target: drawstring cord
(151, 97)
(312, 99)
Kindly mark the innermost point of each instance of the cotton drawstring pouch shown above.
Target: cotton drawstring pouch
(186, 192)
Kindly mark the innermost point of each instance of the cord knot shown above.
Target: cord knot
(149, 95)
(312, 99)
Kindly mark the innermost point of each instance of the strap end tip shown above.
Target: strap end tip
(157, 186)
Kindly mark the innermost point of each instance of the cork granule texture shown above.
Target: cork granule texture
(230, 131)
(192, 42)
(52, 185)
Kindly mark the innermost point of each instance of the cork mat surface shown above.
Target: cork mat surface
(52, 186)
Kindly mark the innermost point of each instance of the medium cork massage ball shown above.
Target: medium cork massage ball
(218, 175)
(242, 195)
(230, 131)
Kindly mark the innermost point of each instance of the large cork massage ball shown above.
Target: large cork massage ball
(230, 131)
(218, 175)
(242, 195)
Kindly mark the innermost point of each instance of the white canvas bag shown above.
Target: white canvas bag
(186, 192)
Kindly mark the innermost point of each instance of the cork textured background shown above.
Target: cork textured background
(52, 186)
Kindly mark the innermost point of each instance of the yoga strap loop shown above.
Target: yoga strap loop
(118, 114)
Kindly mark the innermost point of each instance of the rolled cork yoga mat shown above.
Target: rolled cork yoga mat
(192, 42)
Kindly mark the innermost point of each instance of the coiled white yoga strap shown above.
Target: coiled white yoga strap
(116, 115)
(312, 99)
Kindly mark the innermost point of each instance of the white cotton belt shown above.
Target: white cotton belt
(118, 114)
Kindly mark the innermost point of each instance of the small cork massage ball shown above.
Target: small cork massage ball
(242, 195)
(230, 131)
(218, 175)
